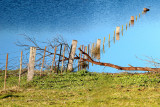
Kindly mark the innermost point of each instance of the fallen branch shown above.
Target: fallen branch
(131, 68)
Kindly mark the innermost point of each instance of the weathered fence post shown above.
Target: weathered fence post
(132, 20)
(72, 54)
(98, 48)
(5, 77)
(88, 53)
(126, 26)
(54, 59)
(136, 18)
(114, 37)
(20, 70)
(59, 58)
(63, 59)
(31, 63)
(109, 41)
(43, 61)
(92, 51)
(79, 61)
(117, 32)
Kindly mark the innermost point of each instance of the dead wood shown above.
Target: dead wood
(131, 68)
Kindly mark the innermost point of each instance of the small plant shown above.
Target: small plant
(83, 72)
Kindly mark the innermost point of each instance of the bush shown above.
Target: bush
(83, 72)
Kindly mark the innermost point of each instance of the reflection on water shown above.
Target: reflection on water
(96, 51)
(117, 36)
(132, 22)
(84, 21)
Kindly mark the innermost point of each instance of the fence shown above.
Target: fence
(54, 64)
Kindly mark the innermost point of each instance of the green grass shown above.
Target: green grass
(82, 89)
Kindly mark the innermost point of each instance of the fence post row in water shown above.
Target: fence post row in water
(31, 63)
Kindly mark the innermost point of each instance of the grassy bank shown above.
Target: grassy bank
(82, 89)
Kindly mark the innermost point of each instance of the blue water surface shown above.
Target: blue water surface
(84, 21)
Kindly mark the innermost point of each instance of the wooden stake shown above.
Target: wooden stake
(114, 37)
(103, 41)
(85, 50)
(92, 51)
(63, 59)
(98, 48)
(43, 61)
(122, 27)
(31, 63)
(55, 66)
(126, 26)
(117, 36)
(5, 77)
(59, 58)
(136, 18)
(82, 49)
(122, 32)
(20, 70)
(109, 41)
(139, 15)
(54, 59)
(80, 59)
(132, 18)
(117, 29)
(88, 53)
(72, 54)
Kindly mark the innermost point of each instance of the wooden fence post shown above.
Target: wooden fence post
(31, 63)
(117, 29)
(117, 32)
(88, 53)
(98, 48)
(20, 70)
(132, 20)
(79, 61)
(63, 59)
(126, 26)
(109, 41)
(72, 54)
(5, 77)
(54, 59)
(136, 18)
(43, 61)
(114, 37)
(59, 58)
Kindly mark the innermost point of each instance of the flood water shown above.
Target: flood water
(84, 21)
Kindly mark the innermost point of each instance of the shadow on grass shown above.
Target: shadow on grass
(9, 96)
